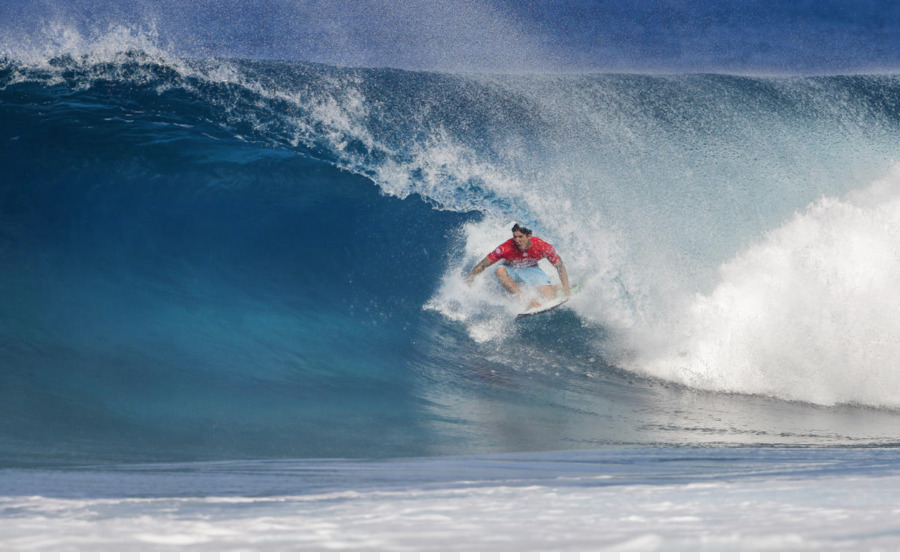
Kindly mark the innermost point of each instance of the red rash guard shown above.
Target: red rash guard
(516, 258)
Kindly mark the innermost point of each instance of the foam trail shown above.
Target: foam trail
(811, 313)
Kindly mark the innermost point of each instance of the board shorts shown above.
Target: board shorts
(531, 275)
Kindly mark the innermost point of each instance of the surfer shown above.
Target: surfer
(520, 256)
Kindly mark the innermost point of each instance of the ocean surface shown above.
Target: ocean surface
(234, 316)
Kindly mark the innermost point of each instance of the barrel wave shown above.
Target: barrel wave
(207, 258)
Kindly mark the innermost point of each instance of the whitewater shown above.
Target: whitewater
(235, 315)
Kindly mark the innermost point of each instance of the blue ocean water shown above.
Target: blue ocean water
(263, 259)
(220, 268)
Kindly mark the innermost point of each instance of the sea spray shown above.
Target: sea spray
(809, 313)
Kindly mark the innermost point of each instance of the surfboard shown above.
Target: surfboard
(552, 304)
(549, 306)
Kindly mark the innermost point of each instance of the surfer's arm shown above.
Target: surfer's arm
(563, 276)
(479, 268)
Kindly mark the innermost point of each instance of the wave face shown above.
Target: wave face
(208, 258)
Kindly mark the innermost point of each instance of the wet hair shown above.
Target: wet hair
(523, 229)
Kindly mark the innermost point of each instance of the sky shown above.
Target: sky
(732, 36)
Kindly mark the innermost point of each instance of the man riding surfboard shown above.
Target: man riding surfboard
(520, 256)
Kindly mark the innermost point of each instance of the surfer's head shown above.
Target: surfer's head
(522, 236)
(525, 231)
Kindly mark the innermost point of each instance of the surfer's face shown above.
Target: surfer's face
(522, 241)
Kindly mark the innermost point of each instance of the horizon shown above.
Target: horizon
(757, 38)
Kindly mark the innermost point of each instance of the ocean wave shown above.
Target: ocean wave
(299, 233)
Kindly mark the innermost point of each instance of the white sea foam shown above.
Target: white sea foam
(777, 513)
(810, 313)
